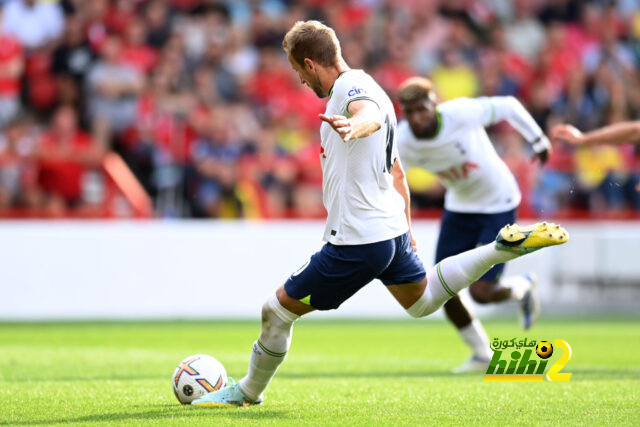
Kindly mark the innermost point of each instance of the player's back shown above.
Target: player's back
(464, 159)
(361, 201)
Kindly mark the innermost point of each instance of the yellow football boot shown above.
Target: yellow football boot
(523, 240)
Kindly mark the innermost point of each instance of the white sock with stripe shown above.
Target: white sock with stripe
(270, 349)
(455, 273)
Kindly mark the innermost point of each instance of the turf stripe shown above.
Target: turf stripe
(269, 352)
(444, 285)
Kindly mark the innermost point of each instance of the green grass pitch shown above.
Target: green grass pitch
(337, 373)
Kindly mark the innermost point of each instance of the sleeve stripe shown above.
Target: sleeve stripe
(357, 98)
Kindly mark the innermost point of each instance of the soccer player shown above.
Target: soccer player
(368, 226)
(449, 140)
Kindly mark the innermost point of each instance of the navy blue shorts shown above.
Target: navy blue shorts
(335, 273)
(461, 232)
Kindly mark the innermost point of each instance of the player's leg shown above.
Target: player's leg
(330, 278)
(472, 333)
(453, 274)
(278, 316)
(467, 228)
(492, 287)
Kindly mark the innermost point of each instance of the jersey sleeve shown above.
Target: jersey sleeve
(469, 112)
(510, 109)
(352, 88)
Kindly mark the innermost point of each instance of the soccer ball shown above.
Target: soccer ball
(544, 349)
(196, 376)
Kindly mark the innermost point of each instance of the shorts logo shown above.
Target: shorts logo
(301, 269)
(516, 361)
(356, 91)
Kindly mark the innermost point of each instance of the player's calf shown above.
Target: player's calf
(455, 273)
(268, 353)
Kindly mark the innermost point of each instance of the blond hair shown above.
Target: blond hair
(414, 89)
(313, 40)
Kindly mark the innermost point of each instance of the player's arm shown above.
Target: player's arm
(510, 109)
(401, 186)
(618, 133)
(364, 120)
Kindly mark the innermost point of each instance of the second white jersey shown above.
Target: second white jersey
(462, 156)
(362, 204)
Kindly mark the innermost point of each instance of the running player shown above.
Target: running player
(368, 228)
(449, 139)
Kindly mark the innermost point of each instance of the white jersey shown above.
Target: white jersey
(362, 204)
(476, 178)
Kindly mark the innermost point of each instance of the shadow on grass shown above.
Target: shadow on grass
(168, 411)
(593, 374)
(585, 373)
(375, 374)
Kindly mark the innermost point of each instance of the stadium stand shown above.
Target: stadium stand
(188, 108)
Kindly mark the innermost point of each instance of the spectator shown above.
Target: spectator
(36, 23)
(160, 149)
(158, 22)
(113, 88)
(215, 156)
(525, 34)
(69, 163)
(454, 78)
(72, 60)
(11, 67)
(135, 51)
(17, 170)
(274, 171)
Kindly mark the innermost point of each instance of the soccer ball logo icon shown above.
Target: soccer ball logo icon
(544, 349)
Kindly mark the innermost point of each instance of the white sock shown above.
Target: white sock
(270, 349)
(476, 338)
(518, 285)
(455, 273)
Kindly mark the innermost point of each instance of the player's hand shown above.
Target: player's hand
(340, 124)
(414, 245)
(567, 133)
(542, 156)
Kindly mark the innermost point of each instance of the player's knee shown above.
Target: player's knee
(267, 312)
(416, 314)
(422, 307)
(275, 315)
(430, 301)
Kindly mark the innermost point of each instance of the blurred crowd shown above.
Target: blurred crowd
(198, 98)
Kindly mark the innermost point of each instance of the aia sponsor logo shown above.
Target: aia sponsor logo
(356, 91)
(457, 172)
